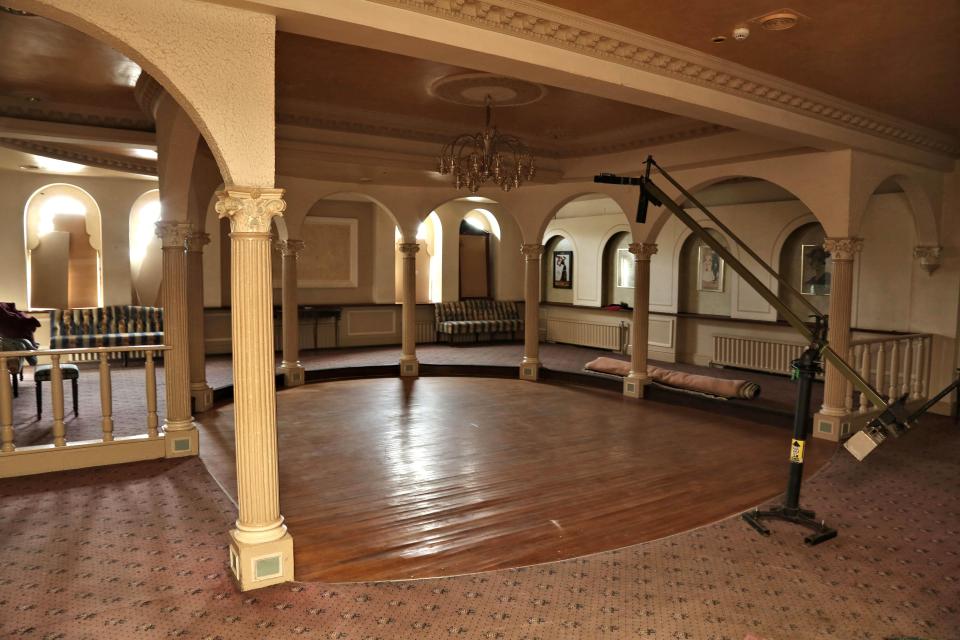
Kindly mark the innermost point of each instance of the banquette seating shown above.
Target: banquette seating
(480, 318)
(111, 326)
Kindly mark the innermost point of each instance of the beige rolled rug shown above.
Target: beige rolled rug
(719, 387)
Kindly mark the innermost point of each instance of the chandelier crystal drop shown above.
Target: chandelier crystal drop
(487, 156)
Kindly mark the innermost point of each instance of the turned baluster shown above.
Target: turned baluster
(917, 369)
(6, 407)
(864, 373)
(56, 397)
(879, 374)
(151, 376)
(848, 391)
(907, 368)
(106, 397)
(925, 380)
(894, 372)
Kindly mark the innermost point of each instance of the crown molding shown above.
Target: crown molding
(76, 114)
(86, 157)
(569, 30)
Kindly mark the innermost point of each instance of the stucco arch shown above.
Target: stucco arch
(921, 206)
(295, 217)
(578, 192)
(190, 48)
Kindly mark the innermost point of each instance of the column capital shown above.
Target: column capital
(531, 251)
(929, 257)
(172, 234)
(290, 247)
(249, 209)
(197, 240)
(643, 250)
(408, 249)
(843, 249)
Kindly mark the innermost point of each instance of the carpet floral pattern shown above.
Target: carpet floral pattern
(138, 551)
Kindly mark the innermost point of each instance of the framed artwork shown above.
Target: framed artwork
(710, 270)
(563, 269)
(815, 268)
(626, 273)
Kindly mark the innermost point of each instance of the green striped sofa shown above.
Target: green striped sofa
(113, 326)
(478, 318)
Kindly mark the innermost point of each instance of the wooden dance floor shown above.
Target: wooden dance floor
(389, 479)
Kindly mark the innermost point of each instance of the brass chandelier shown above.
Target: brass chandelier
(487, 156)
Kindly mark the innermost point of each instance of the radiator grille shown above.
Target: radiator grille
(587, 334)
(754, 353)
(426, 332)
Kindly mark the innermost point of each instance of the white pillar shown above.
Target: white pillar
(293, 373)
(261, 549)
(408, 358)
(530, 365)
(832, 421)
(200, 391)
(181, 436)
(637, 379)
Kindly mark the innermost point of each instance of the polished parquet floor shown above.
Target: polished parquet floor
(392, 479)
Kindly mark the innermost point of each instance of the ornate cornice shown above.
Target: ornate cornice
(643, 250)
(173, 235)
(531, 251)
(536, 21)
(147, 92)
(408, 249)
(249, 209)
(74, 114)
(197, 240)
(290, 247)
(87, 157)
(929, 257)
(841, 249)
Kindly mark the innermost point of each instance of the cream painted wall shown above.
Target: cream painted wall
(586, 237)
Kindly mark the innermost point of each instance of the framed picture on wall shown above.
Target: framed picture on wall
(625, 270)
(710, 270)
(563, 269)
(815, 268)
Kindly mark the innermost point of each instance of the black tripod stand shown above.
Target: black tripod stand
(805, 369)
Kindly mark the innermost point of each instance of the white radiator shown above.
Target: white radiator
(587, 334)
(755, 353)
(426, 332)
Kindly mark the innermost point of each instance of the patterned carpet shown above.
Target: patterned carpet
(138, 551)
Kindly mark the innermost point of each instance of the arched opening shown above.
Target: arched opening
(146, 259)
(479, 245)
(429, 261)
(617, 271)
(62, 227)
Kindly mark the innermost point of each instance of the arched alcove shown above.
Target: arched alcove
(617, 271)
(479, 244)
(429, 261)
(63, 240)
(146, 258)
(806, 266)
(559, 269)
(704, 283)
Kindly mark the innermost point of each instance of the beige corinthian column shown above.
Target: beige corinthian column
(408, 356)
(832, 422)
(292, 368)
(530, 365)
(637, 379)
(261, 549)
(200, 391)
(181, 437)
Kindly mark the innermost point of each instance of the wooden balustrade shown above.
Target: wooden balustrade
(64, 453)
(895, 365)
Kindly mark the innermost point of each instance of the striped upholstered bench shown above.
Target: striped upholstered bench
(481, 319)
(112, 326)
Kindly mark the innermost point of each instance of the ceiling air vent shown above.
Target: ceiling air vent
(779, 20)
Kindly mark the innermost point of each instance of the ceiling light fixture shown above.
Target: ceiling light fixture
(487, 156)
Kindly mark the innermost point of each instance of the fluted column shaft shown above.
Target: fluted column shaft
(291, 365)
(640, 325)
(530, 365)
(199, 389)
(408, 357)
(842, 252)
(176, 361)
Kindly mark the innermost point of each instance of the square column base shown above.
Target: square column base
(832, 428)
(530, 369)
(201, 396)
(180, 443)
(409, 367)
(293, 374)
(633, 386)
(258, 565)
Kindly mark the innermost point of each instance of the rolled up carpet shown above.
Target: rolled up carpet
(719, 387)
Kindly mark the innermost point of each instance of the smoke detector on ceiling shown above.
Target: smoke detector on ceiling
(741, 33)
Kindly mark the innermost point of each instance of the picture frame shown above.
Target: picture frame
(815, 270)
(626, 273)
(563, 269)
(710, 270)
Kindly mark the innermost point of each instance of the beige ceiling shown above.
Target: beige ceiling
(895, 56)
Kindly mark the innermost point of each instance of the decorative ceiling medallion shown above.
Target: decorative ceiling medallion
(472, 89)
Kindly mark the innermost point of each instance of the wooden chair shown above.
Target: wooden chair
(41, 374)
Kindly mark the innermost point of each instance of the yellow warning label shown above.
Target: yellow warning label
(796, 450)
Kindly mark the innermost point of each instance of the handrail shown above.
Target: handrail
(62, 352)
(889, 337)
